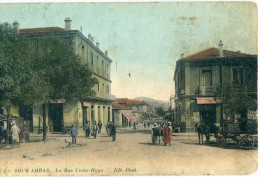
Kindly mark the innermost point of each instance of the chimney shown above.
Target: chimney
(221, 49)
(97, 44)
(106, 53)
(182, 55)
(67, 23)
(16, 26)
(90, 38)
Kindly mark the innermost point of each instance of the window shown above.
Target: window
(102, 67)
(207, 77)
(238, 76)
(92, 58)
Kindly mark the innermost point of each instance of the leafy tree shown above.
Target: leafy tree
(160, 111)
(29, 76)
(234, 99)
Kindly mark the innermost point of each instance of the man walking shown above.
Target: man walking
(15, 133)
(95, 128)
(73, 132)
(113, 132)
(87, 129)
(99, 127)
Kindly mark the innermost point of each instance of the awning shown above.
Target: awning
(130, 117)
(86, 104)
(208, 100)
(57, 101)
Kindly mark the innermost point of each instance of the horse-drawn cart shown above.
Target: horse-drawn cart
(230, 131)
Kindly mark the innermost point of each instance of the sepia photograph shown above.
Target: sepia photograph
(154, 88)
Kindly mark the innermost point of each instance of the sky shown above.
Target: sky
(146, 39)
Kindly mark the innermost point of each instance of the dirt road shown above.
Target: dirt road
(131, 154)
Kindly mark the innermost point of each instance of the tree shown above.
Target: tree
(160, 111)
(15, 71)
(30, 76)
(234, 99)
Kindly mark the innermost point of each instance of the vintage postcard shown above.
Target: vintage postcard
(128, 88)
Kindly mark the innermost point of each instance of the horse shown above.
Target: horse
(206, 129)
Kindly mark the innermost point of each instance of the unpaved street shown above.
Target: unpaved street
(131, 154)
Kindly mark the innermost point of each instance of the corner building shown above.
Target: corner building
(59, 114)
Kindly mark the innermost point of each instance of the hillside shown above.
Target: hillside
(153, 103)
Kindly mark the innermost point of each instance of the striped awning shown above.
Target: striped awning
(207, 100)
(129, 116)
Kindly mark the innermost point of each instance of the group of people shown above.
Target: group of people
(166, 132)
(96, 128)
(14, 131)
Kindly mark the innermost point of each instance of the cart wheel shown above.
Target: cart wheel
(221, 141)
(247, 141)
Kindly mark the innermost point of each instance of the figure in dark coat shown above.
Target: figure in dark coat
(113, 132)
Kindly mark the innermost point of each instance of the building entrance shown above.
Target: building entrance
(56, 117)
(208, 113)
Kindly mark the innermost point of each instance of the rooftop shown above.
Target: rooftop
(130, 102)
(213, 53)
(119, 106)
(41, 30)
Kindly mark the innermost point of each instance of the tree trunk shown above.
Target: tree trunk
(44, 122)
(7, 138)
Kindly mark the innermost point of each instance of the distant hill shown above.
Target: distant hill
(153, 103)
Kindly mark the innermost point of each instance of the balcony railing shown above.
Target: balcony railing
(207, 90)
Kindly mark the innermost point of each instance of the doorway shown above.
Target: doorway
(56, 116)
(208, 113)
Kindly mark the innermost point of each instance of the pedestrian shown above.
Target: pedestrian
(113, 132)
(167, 134)
(73, 132)
(15, 131)
(87, 128)
(134, 125)
(148, 124)
(99, 127)
(144, 125)
(1, 133)
(95, 128)
(107, 127)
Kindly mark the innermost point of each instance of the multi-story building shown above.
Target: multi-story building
(61, 115)
(197, 77)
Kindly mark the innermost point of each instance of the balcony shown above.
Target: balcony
(110, 97)
(207, 90)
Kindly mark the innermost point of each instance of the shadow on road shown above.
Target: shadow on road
(214, 144)
(151, 144)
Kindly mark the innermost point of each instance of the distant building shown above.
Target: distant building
(61, 115)
(139, 108)
(197, 77)
(122, 115)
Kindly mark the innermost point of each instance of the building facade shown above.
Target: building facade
(122, 115)
(139, 108)
(197, 77)
(61, 115)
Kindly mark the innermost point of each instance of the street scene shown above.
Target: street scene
(128, 89)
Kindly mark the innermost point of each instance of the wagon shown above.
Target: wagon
(230, 131)
(156, 134)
